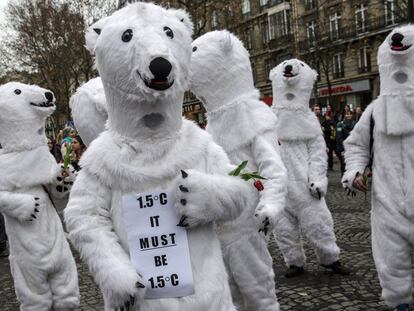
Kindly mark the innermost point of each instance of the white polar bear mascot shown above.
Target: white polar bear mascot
(387, 129)
(303, 152)
(244, 126)
(42, 264)
(143, 55)
(89, 110)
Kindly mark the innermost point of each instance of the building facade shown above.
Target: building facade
(338, 38)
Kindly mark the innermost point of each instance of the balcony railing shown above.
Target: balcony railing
(324, 40)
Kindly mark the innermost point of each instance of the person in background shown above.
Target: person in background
(317, 112)
(358, 113)
(78, 147)
(343, 130)
(68, 134)
(54, 149)
(329, 133)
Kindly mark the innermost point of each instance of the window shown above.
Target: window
(364, 60)
(245, 7)
(263, 2)
(335, 26)
(310, 32)
(265, 32)
(361, 19)
(279, 24)
(214, 19)
(309, 4)
(249, 38)
(389, 12)
(254, 73)
(338, 66)
(268, 67)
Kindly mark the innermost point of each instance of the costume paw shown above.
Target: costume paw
(64, 181)
(28, 208)
(317, 189)
(124, 290)
(265, 218)
(191, 197)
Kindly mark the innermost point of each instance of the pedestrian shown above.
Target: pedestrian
(343, 130)
(384, 140)
(68, 134)
(329, 133)
(318, 114)
(78, 147)
(54, 149)
(358, 113)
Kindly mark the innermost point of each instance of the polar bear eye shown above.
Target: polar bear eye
(302, 64)
(194, 48)
(169, 32)
(127, 35)
(17, 92)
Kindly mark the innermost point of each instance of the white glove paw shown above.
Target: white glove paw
(191, 197)
(317, 190)
(27, 208)
(64, 181)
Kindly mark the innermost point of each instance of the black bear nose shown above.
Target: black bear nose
(288, 68)
(397, 38)
(160, 68)
(49, 96)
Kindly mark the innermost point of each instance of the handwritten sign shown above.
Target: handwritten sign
(158, 248)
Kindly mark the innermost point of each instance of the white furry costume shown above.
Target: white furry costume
(392, 217)
(303, 152)
(42, 265)
(145, 147)
(89, 110)
(244, 126)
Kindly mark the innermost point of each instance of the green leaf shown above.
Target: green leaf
(257, 176)
(66, 157)
(238, 170)
(246, 176)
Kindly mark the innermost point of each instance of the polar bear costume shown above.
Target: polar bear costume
(89, 110)
(303, 152)
(42, 264)
(143, 56)
(392, 216)
(244, 126)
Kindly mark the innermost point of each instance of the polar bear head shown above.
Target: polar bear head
(220, 69)
(143, 52)
(23, 110)
(396, 61)
(292, 83)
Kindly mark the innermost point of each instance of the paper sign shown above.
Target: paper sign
(158, 248)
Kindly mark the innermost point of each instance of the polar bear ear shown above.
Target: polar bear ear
(226, 42)
(92, 34)
(315, 74)
(184, 18)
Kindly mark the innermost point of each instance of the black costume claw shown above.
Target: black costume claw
(183, 189)
(184, 174)
(319, 193)
(33, 216)
(183, 201)
(36, 210)
(182, 220)
(37, 204)
(139, 285)
(37, 198)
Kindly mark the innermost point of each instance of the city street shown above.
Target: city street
(317, 290)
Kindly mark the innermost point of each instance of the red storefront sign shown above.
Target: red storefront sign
(336, 90)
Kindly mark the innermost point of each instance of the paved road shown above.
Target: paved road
(317, 290)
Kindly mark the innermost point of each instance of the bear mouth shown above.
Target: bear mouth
(289, 75)
(157, 84)
(399, 47)
(43, 105)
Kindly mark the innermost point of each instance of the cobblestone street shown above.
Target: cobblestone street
(317, 290)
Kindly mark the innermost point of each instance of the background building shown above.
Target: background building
(340, 39)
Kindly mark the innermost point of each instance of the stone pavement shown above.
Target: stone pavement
(317, 290)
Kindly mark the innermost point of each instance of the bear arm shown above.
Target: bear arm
(270, 166)
(88, 221)
(318, 163)
(17, 205)
(229, 194)
(357, 148)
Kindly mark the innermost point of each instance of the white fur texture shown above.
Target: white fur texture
(89, 110)
(303, 152)
(244, 126)
(134, 157)
(392, 218)
(42, 265)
